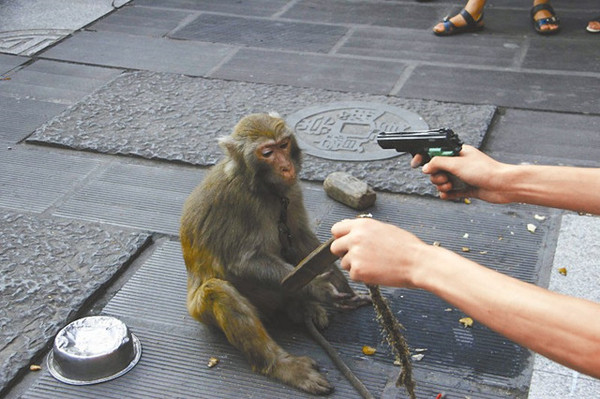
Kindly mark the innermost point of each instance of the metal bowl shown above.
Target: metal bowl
(93, 349)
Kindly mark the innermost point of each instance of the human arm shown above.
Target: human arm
(562, 187)
(560, 327)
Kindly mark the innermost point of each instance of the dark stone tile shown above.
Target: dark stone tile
(56, 82)
(394, 14)
(564, 54)
(33, 180)
(319, 71)
(144, 197)
(8, 62)
(141, 21)
(573, 138)
(20, 117)
(517, 22)
(408, 44)
(262, 33)
(557, 4)
(128, 51)
(248, 7)
(541, 91)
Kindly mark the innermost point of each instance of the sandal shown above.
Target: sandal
(594, 25)
(552, 20)
(471, 26)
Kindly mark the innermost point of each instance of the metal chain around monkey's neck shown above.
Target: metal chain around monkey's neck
(285, 235)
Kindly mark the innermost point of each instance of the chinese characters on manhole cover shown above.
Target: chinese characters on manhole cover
(346, 131)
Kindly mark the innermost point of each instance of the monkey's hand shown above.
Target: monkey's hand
(353, 301)
(324, 291)
(321, 289)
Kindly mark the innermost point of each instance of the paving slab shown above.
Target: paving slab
(528, 90)
(50, 267)
(56, 82)
(141, 21)
(8, 62)
(421, 45)
(34, 94)
(35, 180)
(578, 252)
(140, 52)
(258, 32)
(564, 54)
(178, 118)
(312, 70)
(249, 7)
(27, 27)
(567, 138)
(146, 197)
(390, 14)
(20, 117)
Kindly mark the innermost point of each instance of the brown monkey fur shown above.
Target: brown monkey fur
(236, 252)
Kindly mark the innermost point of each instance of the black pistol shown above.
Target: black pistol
(428, 143)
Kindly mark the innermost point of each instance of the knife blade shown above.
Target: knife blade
(310, 267)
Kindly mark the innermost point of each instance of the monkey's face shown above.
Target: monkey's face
(277, 154)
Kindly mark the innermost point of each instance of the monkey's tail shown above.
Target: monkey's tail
(337, 360)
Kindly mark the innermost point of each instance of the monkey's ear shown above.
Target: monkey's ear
(229, 145)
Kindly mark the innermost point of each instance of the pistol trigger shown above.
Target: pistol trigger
(426, 157)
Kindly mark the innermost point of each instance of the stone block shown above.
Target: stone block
(349, 190)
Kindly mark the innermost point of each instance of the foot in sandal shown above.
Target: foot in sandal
(460, 23)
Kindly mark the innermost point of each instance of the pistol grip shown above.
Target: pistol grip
(457, 184)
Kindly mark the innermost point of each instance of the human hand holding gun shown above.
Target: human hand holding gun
(424, 145)
(457, 170)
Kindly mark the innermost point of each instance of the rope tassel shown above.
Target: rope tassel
(391, 329)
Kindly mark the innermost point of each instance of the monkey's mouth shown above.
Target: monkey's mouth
(288, 175)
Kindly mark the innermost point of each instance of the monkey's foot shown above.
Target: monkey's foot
(318, 315)
(303, 373)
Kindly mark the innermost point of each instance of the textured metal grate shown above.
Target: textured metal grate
(474, 362)
(134, 195)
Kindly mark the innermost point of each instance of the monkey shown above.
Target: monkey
(243, 229)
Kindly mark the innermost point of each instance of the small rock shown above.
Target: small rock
(349, 190)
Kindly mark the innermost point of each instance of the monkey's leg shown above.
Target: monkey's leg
(217, 302)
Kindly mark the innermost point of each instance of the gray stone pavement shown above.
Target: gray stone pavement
(108, 114)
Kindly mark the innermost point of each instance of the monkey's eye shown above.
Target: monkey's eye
(266, 153)
(284, 145)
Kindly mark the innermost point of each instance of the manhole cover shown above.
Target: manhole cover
(346, 131)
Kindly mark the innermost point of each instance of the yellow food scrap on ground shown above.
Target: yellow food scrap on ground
(368, 350)
(466, 322)
(538, 217)
(467, 201)
(531, 227)
(212, 362)
(563, 271)
(35, 367)
(466, 249)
